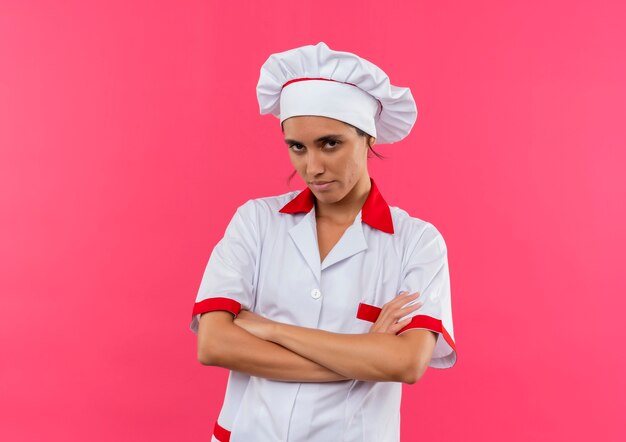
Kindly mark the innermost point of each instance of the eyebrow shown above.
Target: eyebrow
(317, 141)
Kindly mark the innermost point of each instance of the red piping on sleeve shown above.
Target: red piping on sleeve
(221, 433)
(212, 304)
(370, 313)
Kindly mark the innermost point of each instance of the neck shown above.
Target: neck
(345, 210)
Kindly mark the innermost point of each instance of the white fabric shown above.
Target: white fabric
(332, 99)
(269, 261)
(393, 120)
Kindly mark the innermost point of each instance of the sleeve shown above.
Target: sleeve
(426, 271)
(228, 279)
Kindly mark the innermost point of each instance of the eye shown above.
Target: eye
(332, 143)
(295, 147)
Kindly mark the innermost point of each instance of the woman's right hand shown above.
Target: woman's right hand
(392, 311)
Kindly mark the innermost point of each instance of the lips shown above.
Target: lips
(321, 185)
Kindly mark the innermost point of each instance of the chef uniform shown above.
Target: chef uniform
(268, 262)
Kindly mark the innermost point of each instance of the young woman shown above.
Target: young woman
(322, 302)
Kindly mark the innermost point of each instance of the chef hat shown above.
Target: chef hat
(316, 80)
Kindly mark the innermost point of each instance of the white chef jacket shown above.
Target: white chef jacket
(268, 262)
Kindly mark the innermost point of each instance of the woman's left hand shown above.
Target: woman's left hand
(255, 324)
(389, 318)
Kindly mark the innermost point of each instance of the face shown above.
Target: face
(325, 150)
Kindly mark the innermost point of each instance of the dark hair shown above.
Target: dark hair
(359, 132)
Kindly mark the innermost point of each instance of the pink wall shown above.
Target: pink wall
(129, 133)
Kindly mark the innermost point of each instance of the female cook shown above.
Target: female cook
(322, 302)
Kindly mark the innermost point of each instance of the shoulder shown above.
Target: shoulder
(253, 217)
(267, 204)
(412, 231)
(275, 202)
(267, 208)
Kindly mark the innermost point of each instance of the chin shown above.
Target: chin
(328, 197)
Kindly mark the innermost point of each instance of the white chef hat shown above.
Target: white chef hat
(316, 80)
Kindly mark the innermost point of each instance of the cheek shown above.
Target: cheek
(296, 161)
(356, 162)
(352, 169)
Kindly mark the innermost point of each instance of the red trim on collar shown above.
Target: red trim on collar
(375, 211)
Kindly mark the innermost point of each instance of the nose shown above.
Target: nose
(314, 163)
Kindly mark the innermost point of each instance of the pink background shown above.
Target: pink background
(130, 132)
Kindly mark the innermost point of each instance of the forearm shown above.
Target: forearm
(370, 356)
(224, 344)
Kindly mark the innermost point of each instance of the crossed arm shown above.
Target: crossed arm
(260, 347)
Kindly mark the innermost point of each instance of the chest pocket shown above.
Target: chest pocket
(289, 289)
(381, 285)
(364, 279)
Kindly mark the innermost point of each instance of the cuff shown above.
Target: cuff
(210, 305)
